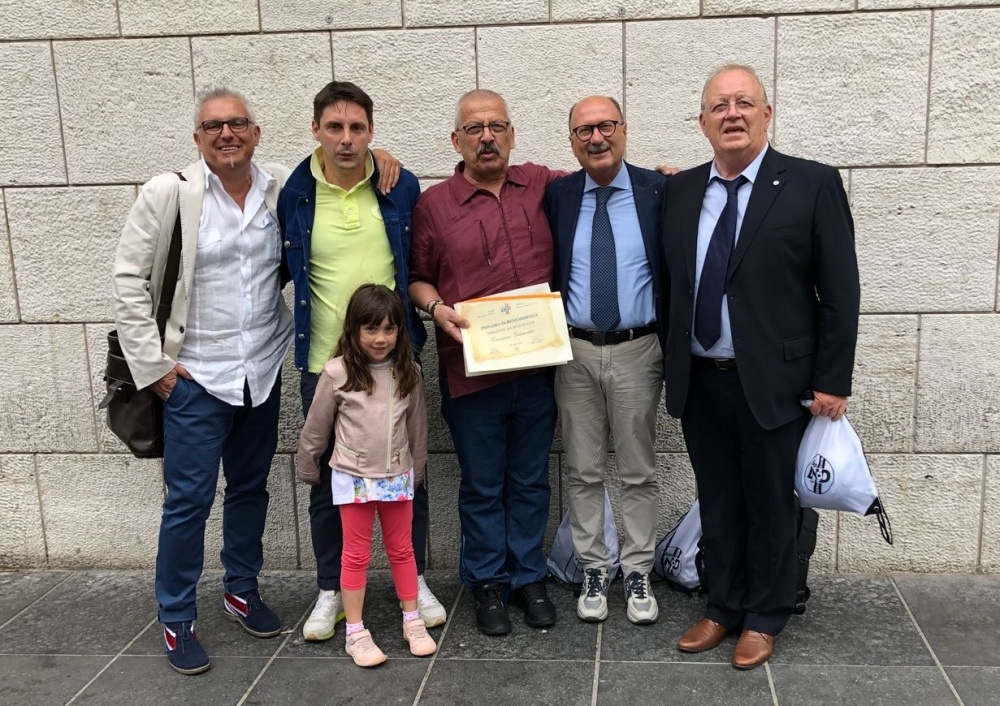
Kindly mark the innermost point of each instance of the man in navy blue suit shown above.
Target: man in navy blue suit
(605, 223)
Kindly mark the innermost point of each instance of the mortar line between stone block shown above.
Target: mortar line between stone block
(90, 376)
(774, 84)
(118, 17)
(402, 14)
(194, 84)
(114, 659)
(41, 513)
(836, 544)
(770, 683)
(62, 131)
(597, 665)
(927, 644)
(332, 74)
(295, 505)
(916, 385)
(982, 515)
(996, 293)
(434, 657)
(475, 51)
(927, 106)
(260, 19)
(624, 77)
(10, 256)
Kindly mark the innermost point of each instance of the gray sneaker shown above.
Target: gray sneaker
(593, 603)
(642, 609)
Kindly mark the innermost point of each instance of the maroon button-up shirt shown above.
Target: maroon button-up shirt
(468, 243)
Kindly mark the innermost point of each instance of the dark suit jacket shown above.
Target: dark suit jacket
(562, 205)
(792, 286)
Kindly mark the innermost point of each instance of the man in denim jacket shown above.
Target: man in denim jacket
(341, 231)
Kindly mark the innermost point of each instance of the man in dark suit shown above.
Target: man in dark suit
(605, 223)
(761, 282)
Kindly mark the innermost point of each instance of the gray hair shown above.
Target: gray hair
(209, 94)
(732, 67)
(478, 93)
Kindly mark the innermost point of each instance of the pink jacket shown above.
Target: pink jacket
(374, 437)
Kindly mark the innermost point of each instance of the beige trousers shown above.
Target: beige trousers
(611, 388)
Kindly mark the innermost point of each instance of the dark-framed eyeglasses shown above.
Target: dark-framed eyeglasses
(214, 127)
(605, 127)
(497, 127)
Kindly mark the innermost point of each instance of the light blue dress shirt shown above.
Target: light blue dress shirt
(635, 278)
(711, 209)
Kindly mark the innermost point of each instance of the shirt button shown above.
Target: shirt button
(302, 303)
(181, 329)
(288, 243)
(301, 336)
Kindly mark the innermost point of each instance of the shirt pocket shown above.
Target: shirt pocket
(209, 256)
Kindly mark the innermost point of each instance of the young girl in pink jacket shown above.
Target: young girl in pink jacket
(371, 398)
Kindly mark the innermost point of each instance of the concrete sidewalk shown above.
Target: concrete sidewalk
(91, 638)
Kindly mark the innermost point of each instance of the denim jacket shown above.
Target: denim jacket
(296, 210)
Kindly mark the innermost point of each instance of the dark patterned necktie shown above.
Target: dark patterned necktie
(712, 285)
(603, 266)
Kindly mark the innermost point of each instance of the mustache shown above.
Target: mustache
(599, 148)
(485, 147)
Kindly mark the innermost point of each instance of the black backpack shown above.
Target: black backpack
(807, 525)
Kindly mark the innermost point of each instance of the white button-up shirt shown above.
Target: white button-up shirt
(239, 328)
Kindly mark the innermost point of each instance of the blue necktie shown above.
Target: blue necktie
(712, 285)
(603, 266)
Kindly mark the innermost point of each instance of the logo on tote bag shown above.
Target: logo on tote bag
(820, 475)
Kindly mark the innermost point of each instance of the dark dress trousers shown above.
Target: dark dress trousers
(793, 293)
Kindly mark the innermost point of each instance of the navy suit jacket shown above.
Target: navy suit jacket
(562, 205)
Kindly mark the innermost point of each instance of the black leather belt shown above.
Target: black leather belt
(611, 338)
(717, 363)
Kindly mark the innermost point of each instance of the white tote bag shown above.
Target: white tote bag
(832, 473)
(563, 564)
(675, 556)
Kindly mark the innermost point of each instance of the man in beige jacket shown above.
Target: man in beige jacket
(218, 368)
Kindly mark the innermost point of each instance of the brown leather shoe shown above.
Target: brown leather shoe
(752, 649)
(703, 635)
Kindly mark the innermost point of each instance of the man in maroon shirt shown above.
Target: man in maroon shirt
(481, 232)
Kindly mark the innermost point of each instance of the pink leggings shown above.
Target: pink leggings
(396, 518)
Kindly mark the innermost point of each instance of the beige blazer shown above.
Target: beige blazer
(137, 282)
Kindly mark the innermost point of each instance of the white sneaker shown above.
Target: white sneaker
(328, 611)
(592, 605)
(431, 610)
(363, 650)
(642, 609)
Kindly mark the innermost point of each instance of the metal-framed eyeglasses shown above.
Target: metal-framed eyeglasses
(605, 127)
(742, 105)
(214, 127)
(497, 127)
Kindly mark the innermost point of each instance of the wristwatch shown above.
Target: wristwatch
(432, 305)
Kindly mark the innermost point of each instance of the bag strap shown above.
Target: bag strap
(171, 273)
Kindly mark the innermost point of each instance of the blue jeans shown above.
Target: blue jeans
(324, 517)
(502, 436)
(199, 431)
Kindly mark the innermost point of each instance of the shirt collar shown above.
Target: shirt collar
(750, 172)
(316, 167)
(463, 189)
(260, 178)
(621, 180)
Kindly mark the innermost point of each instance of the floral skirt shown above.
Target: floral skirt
(347, 488)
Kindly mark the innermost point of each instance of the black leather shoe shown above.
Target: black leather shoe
(533, 599)
(491, 612)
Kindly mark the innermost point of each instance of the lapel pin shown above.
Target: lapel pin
(775, 182)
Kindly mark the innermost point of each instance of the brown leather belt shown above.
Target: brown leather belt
(717, 363)
(611, 338)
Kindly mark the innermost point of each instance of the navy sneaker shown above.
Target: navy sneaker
(249, 611)
(184, 652)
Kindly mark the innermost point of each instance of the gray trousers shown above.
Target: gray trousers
(611, 388)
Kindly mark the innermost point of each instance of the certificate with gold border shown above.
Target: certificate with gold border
(514, 331)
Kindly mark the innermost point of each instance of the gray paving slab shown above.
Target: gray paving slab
(287, 594)
(817, 685)
(629, 683)
(19, 589)
(43, 680)
(959, 615)
(501, 683)
(93, 613)
(149, 681)
(978, 686)
(852, 620)
(569, 639)
(332, 682)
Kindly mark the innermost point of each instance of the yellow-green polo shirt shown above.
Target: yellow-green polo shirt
(349, 248)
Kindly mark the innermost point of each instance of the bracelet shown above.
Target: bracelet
(432, 305)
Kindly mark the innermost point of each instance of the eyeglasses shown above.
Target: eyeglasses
(605, 127)
(497, 127)
(214, 127)
(743, 105)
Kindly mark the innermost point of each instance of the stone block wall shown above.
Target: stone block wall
(98, 96)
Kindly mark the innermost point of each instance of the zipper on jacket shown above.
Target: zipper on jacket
(388, 424)
(531, 235)
(510, 245)
(486, 244)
